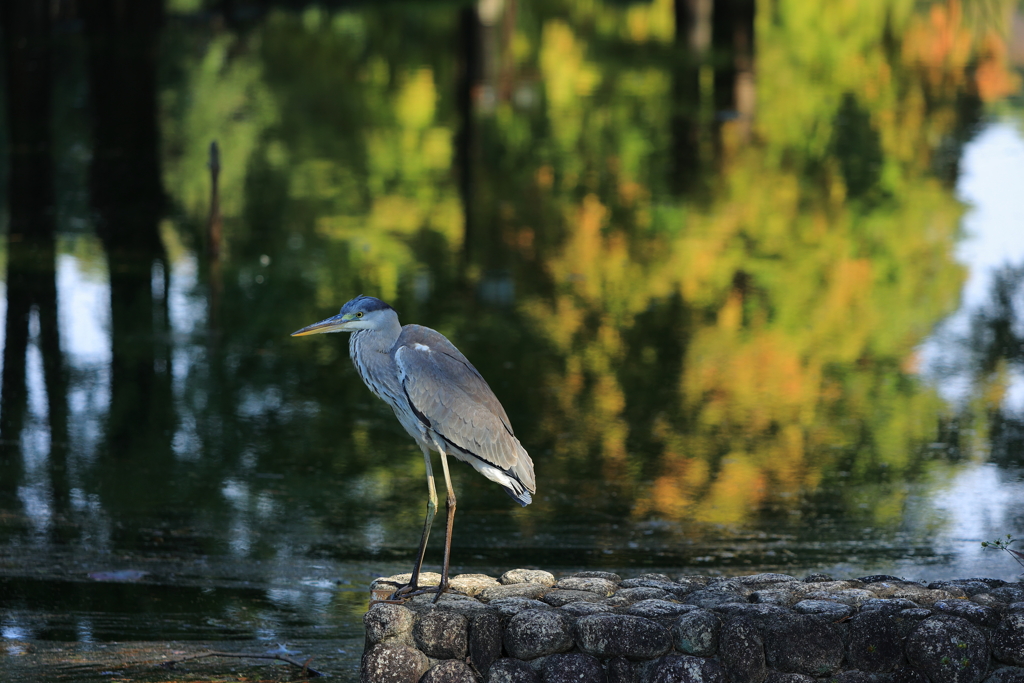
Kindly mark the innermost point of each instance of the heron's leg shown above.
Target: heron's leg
(450, 509)
(428, 520)
(413, 584)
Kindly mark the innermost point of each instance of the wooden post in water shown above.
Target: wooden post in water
(214, 226)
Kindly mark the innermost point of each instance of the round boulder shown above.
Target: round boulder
(485, 635)
(684, 669)
(666, 584)
(621, 670)
(452, 602)
(824, 609)
(384, 621)
(528, 576)
(509, 607)
(565, 596)
(535, 633)
(471, 584)
(529, 590)
(1007, 674)
(597, 574)
(582, 609)
(767, 579)
(630, 596)
(712, 598)
(393, 663)
(696, 633)
(1009, 593)
(742, 651)
(802, 644)
(594, 584)
(1008, 639)
(776, 677)
(775, 596)
(907, 590)
(913, 616)
(621, 635)
(855, 597)
(888, 606)
(659, 609)
(968, 586)
(441, 634)
(875, 642)
(855, 676)
(908, 674)
(949, 650)
(511, 671)
(449, 671)
(978, 614)
(572, 668)
(758, 611)
(693, 581)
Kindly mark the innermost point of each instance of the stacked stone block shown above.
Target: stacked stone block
(526, 627)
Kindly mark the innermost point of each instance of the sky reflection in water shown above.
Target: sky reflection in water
(721, 317)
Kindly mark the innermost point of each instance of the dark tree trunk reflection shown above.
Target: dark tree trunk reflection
(31, 243)
(713, 82)
(126, 195)
(734, 79)
(468, 76)
(693, 38)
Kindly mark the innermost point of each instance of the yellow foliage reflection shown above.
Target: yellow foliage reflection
(712, 348)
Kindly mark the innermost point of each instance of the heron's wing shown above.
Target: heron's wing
(451, 397)
(446, 368)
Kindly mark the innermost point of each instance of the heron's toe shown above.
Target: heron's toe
(388, 601)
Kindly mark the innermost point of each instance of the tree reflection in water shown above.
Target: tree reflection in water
(995, 360)
(695, 250)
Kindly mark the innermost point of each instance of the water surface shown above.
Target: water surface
(749, 288)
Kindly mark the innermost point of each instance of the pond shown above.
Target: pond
(749, 283)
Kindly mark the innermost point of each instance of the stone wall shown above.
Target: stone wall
(767, 628)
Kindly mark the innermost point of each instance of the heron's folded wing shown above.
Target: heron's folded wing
(447, 391)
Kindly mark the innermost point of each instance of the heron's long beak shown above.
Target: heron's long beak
(333, 324)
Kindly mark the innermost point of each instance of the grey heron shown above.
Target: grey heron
(443, 402)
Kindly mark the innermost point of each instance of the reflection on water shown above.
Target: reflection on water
(974, 356)
(712, 302)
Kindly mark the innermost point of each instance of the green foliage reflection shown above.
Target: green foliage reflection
(711, 352)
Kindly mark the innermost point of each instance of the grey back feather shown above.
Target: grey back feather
(444, 388)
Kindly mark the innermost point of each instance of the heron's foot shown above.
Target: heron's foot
(440, 590)
(411, 590)
(388, 601)
(402, 594)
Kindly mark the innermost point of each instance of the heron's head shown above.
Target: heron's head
(361, 313)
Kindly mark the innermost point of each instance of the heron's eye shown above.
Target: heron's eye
(359, 314)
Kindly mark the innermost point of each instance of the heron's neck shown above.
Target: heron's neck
(379, 340)
(371, 355)
(370, 341)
